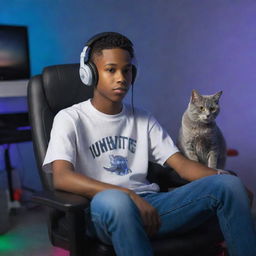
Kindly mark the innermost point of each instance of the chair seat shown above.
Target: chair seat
(166, 247)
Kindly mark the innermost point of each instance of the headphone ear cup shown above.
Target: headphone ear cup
(134, 73)
(86, 75)
(94, 73)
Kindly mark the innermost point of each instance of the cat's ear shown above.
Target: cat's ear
(217, 96)
(195, 96)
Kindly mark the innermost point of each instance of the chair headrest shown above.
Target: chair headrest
(63, 87)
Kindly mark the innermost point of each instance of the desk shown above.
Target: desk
(14, 128)
(15, 88)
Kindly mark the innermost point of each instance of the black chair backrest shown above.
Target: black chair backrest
(58, 87)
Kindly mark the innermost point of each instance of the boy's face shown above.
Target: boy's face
(115, 75)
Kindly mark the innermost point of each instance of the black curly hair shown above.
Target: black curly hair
(110, 41)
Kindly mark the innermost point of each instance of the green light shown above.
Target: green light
(11, 243)
(5, 243)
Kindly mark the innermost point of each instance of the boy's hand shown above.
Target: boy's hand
(149, 215)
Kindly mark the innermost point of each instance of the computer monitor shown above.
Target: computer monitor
(14, 53)
(14, 61)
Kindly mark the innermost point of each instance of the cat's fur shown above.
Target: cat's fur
(200, 139)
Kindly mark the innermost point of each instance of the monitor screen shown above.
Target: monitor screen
(14, 53)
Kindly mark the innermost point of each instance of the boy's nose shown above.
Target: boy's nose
(121, 78)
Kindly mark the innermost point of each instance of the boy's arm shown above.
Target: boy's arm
(188, 169)
(191, 170)
(66, 179)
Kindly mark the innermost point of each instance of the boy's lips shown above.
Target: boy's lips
(120, 90)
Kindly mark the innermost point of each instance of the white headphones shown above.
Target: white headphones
(88, 71)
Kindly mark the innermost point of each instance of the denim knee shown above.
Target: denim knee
(111, 201)
(226, 181)
(228, 184)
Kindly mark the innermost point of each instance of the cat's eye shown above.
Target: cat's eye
(212, 109)
(201, 108)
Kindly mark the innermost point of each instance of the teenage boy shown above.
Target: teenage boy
(100, 149)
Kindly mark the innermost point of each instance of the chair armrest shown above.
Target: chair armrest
(232, 172)
(61, 200)
(165, 177)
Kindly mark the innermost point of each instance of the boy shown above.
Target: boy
(100, 149)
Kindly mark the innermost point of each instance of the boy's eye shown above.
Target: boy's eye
(111, 70)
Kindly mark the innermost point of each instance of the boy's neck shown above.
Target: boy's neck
(109, 108)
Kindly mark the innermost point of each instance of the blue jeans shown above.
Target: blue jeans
(116, 220)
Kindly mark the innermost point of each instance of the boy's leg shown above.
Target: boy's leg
(190, 205)
(116, 220)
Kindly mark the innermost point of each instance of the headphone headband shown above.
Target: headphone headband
(101, 35)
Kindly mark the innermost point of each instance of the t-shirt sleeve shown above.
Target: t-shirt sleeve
(62, 144)
(161, 146)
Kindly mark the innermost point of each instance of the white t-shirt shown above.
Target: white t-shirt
(113, 149)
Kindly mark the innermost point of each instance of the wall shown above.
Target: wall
(181, 45)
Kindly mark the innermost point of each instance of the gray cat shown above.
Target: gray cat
(200, 139)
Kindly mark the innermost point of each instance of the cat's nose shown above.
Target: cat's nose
(207, 113)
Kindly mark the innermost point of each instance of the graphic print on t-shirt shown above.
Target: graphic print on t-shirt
(112, 143)
(118, 165)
